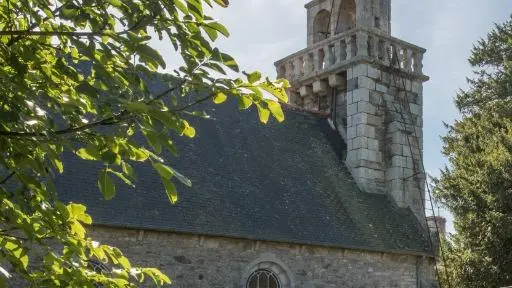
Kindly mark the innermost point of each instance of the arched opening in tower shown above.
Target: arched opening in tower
(321, 26)
(347, 16)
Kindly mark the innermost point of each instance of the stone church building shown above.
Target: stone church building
(332, 197)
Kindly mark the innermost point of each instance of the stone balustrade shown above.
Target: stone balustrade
(338, 52)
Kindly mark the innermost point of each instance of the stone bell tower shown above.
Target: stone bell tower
(372, 86)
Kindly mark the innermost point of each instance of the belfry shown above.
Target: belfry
(371, 84)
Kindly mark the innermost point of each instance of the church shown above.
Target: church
(332, 197)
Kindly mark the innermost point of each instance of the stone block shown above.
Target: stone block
(396, 149)
(398, 196)
(366, 107)
(360, 142)
(381, 88)
(365, 82)
(320, 87)
(398, 138)
(364, 130)
(417, 87)
(360, 70)
(398, 161)
(408, 174)
(352, 109)
(352, 84)
(385, 77)
(376, 98)
(374, 73)
(306, 91)
(351, 132)
(393, 173)
(408, 162)
(372, 155)
(360, 118)
(371, 165)
(350, 97)
(416, 109)
(407, 151)
(396, 126)
(337, 81)
(389, 98)
(350, 73)
(361, 94)
(373, 144)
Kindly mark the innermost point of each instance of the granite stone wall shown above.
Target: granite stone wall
(215, 262)
(385, 133)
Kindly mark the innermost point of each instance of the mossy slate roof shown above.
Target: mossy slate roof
(276, 182)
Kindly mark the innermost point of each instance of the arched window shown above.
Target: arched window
(267, 272)
(347, 16)
(322, 26)
(263, 278)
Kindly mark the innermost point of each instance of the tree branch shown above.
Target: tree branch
(198, 101)
(104, 122)
(34, 25)
(52, 33)
(7, 178)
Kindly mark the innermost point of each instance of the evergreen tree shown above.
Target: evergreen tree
(477, 184)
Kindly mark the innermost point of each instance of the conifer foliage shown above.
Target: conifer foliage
(477, 185)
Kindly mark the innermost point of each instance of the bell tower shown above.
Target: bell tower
(372, 86)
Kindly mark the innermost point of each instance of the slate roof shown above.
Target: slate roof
(277, 182)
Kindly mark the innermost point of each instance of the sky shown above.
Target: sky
(263, 31)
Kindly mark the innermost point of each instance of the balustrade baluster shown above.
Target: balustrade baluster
(289, 70)
(349, 47)
(362, 44)
(375, 47)
(418, 63)
(343, 50)
(329, 56)
(408, 60)
(281, 71)
(386, 53)
(337, 52)
(308, 64)
(299, 67)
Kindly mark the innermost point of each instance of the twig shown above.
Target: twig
(7, 178)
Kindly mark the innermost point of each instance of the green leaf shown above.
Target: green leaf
(263, 114)
(181, 6)
(157, 276)
(77, 211)
(244, 102)
(78, 229)
(106, 185)
(121, 176)
(164, 170)
(276, 110)
(220, 98)
(218, 27)
(181, 178)
(58, 164)
(278, 92)
(89, 153)
(188, 130)
(253, 77)
(170, 190)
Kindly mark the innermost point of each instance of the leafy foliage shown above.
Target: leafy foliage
(73, 76)
(477, 187)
